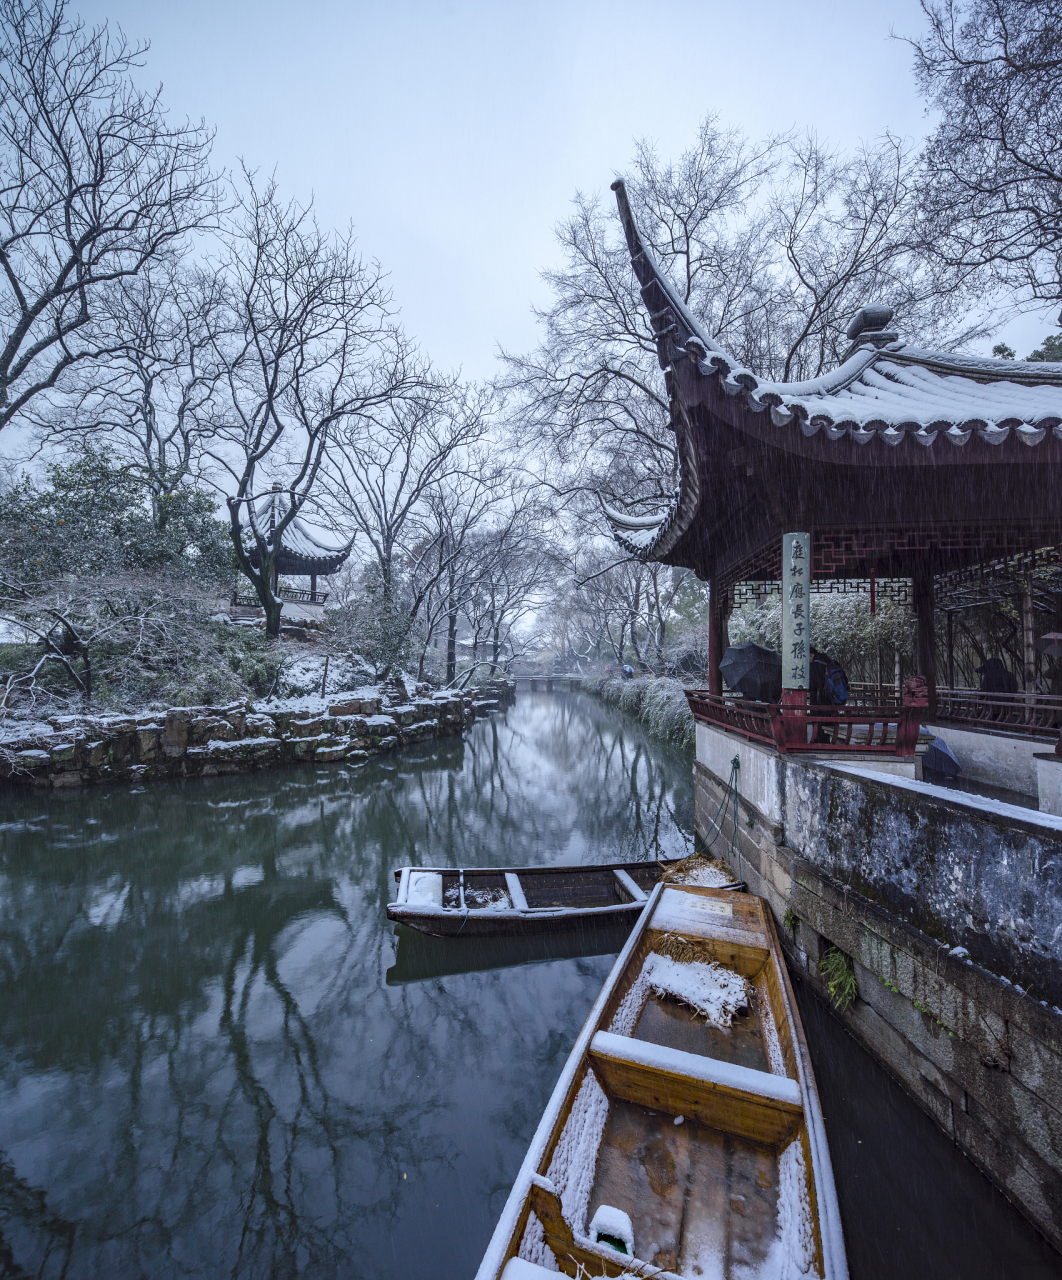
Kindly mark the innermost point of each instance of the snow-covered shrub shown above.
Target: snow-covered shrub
(658, 702)
(301, 676)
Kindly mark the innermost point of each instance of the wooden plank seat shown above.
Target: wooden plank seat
(751, 1104)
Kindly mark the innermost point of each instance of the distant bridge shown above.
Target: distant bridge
(551, 684)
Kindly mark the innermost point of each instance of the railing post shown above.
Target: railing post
(716, 622)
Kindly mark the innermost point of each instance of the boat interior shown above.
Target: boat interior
(681, 1148)
(556, 887)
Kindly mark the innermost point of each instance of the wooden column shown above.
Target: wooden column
(925, 654)
(1028, 629)
(313, 588)
(716, 624)
(951, 648)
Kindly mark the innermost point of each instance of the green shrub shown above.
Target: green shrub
(838, 973)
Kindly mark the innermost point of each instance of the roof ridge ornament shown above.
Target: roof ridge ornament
(869, 326)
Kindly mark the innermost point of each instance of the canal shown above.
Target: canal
(219, 1059)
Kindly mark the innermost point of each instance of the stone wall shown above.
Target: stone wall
(187, 742)
(995, 756)
(951, 909)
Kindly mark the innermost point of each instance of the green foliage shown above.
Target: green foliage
(841, 626)
(376, 624)
(838, 973)
(790, 920)
(1049, 350)
(92, 516)
(1002, 352)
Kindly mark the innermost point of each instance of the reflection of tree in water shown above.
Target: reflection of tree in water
(204, 1070)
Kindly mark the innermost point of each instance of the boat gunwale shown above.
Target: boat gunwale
(409, 914)
(550, 869)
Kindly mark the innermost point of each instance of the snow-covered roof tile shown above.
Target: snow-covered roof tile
(302, 550)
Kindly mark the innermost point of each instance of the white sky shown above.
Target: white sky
(454, 135)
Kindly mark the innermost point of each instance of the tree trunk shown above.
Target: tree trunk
(272, 608)
(451, 646)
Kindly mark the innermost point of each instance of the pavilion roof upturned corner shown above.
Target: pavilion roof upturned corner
(302, 551)
(894, 436)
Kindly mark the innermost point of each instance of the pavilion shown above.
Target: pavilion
(901, 463)
(302, 551)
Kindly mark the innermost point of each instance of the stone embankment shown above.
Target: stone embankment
(186, 742)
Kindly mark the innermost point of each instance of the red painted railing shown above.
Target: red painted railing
(891, 731)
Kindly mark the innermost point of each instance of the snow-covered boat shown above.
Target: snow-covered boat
(519, 901)
(684, 1137)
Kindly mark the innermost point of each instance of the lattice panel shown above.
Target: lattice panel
(843, 553)
(898, 589)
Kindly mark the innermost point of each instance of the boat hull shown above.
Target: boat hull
(678, 1141)
(524, 902)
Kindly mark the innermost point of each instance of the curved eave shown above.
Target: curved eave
(301, 551)
(884, 391)
(645, 539)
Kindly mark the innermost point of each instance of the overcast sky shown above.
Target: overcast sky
(454, 135)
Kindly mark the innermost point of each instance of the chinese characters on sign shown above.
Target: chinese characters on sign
(796, 586)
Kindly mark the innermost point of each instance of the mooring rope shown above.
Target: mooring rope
(730, 796)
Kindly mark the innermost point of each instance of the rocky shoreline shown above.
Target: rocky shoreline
(203, 742)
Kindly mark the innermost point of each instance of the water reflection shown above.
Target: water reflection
(205, 1069)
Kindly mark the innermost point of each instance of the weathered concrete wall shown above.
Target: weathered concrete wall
(951, 909)
(1049, 782)
(967, 871)
(1000, 759)
(206, 741)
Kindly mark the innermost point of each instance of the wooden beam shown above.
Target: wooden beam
(925, 647)
(685, 1084)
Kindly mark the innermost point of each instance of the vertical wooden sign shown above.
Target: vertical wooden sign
(796, 625)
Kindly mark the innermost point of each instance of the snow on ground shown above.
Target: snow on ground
(302, 675)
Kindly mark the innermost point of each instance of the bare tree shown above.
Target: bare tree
(94, 185)
(771, 247)
(445, 566)
(515, 560)
(390, 459)
(312, 349)
(592, 393)
(992, 185)
(154, 396)
(416, 477)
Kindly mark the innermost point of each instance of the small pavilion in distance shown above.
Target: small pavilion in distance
(908, 470)
(303, 553)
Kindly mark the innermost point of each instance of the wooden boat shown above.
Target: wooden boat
(674, 1144)
(520, 901)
